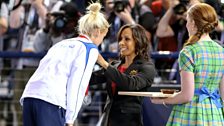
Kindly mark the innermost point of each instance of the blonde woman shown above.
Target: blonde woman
(54, 94)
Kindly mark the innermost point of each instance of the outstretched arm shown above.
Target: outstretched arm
(164, 29)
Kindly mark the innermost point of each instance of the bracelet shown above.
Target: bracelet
(165, 104)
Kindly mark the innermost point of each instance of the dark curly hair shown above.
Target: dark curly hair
(142, 45)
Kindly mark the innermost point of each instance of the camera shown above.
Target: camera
(120, 5)
(181, 7)
(59, 21)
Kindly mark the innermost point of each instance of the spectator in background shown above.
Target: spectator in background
(17, 16)
(168, 27)
(3, 22)
(3, 30)
(28, 17)
(108, 7)
(171, 34)
(171, 29)
(134, 72)
(200, 101)
(3, 18)
(57, 88)
(126, 12)
(60, 25)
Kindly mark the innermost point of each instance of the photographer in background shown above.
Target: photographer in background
(172, 25)
(126, 12)
(59, 25)
(28, 17)
(171, 34)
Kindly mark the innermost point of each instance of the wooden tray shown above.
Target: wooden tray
(146, 94)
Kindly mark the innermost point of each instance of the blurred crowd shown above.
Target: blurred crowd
(36, 25)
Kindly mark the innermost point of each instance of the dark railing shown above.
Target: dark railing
(154, 55)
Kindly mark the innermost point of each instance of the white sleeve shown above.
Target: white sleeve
(73, 87)
(78, 82)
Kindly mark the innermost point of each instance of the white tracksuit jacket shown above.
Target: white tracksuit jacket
(61, 77)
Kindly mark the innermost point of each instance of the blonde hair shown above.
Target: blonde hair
(205, 19)
(93, 20)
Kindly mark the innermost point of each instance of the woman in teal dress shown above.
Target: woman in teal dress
(201, 63)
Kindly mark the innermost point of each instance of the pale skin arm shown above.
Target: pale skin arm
(41, 9)
(185, 95)
(3, 25)
(164, 29)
